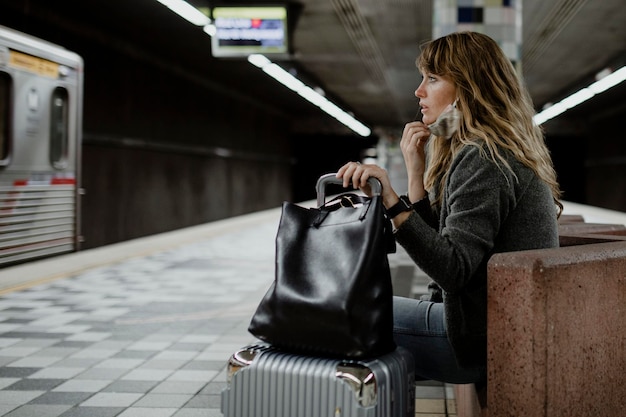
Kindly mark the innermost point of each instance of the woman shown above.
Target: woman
(487, 185)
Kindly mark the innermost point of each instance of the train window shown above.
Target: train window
(5, 117)
(59, 128)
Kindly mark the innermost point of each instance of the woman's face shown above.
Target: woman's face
(435, 93)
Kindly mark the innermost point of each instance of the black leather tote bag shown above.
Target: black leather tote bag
(332, 292)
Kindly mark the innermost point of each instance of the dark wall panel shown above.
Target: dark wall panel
(134, 192)
(317, 155)
(589, 148)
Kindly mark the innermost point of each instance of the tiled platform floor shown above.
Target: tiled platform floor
(146, 336)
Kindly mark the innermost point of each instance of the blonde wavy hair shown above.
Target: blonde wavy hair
(495, 106)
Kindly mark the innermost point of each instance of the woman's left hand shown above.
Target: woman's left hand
(357, 174)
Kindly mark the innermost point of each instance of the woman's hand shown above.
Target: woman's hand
(414, 139)
(357, 174)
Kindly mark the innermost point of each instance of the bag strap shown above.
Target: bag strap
(349, 201)
(389, 236)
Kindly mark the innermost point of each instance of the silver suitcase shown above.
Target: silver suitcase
(266, 382)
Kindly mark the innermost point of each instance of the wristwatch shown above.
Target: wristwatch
(401, 206)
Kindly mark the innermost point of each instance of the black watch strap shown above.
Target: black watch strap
(401, 206)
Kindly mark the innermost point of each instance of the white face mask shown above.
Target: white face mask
(447, 123)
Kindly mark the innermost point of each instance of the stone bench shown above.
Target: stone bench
(556, 329)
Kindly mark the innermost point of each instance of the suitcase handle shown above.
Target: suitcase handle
(331, 178)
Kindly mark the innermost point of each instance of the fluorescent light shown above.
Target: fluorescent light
(582, 95)
(332, 109)
(210, 29)
(258, 60)
(283, 77)
(609, 81)
(186, 11)
(578, 97)
(312, 96)
(357, 126)
(549, 113)
(309, 94)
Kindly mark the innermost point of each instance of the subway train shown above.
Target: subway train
(41, 93)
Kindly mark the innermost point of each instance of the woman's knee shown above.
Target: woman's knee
(418, 317)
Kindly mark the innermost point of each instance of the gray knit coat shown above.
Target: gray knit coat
(486, 209)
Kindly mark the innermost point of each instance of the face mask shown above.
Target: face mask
(447, 123)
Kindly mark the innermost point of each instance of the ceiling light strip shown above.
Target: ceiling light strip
(196, 17)
(581, 96)
(309, 94)
(186, 11)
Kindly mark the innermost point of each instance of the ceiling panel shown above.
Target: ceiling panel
(360, 52)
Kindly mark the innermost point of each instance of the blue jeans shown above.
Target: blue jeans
(420, 327)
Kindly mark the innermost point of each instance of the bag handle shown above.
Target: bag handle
(348, 200)
(331, 178)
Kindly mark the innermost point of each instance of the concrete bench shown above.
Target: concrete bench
(556, 329)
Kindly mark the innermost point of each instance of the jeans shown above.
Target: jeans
(420, 327)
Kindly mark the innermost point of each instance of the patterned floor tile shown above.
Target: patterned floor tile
(47, 410)
(147, 336)
(130, 386)
(82, 385)
(12, 397)
(93, 412)
(161, 400)
(32, 384)
(148, 412)
(179, 387)
(111, 399)
(65, 398)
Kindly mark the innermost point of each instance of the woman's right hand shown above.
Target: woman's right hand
(414, 139)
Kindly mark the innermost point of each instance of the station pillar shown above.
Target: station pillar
(499, 19)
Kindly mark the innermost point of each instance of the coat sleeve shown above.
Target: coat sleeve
(478, 196)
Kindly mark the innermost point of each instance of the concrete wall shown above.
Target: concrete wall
(589, 152)
(134, 192)
(557, 322)
(158, 156)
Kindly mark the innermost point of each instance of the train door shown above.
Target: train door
(40, 135)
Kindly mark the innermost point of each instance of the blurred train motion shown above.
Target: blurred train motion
(41, 93)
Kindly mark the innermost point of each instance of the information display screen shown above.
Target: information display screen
(245, 30)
